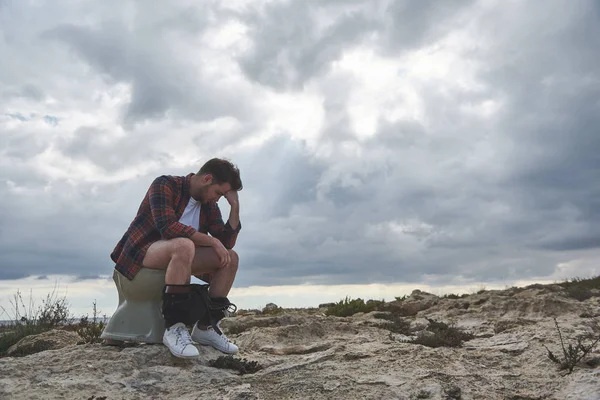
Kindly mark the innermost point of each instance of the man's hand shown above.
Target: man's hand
(232, 197)
(234, 212)
(222, 253)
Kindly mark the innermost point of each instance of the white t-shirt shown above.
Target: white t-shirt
(191, 214)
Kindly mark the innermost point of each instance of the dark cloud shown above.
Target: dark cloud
(490, 193)
(161, 82)
(279, 176)
(62, 228)
(493, 177)
(90, 144)
(289, 45)
(27, 91)
(410, 24)
(287, 52)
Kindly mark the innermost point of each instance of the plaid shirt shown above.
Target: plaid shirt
(157, 218)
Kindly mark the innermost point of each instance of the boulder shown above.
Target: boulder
(50, 340)
(417, 301)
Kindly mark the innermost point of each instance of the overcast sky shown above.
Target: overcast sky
(379, 141)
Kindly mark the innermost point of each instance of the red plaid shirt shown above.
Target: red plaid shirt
(158, 218)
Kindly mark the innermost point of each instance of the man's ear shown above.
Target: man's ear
(207, 179)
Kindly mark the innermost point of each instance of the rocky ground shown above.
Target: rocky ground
(306, 354)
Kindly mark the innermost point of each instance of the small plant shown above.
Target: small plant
(90, 331)
(29, 320)
(348, 307)
(442, 335)
(395, 323)
(453, 393)
(479, 290)
(401, 298)
(243, 366)
(272, 310)
(574, 353)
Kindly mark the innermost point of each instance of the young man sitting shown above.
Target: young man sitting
(179, 228)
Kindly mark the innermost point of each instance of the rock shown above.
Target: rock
(50, 340)
(331, 386)
(241, 392)
(304, 354)
(416, 302)
(506, 343)
(298, 349)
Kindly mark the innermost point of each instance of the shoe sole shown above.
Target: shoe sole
(216, 348)
(181, 355)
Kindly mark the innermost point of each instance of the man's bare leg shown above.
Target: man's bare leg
(175, 256)
(206, 260)
(182, 259)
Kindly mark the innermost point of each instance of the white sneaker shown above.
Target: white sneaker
(178, 340)
(209, 337)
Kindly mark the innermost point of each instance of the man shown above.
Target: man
(179, 228)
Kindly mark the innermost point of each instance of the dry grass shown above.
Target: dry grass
(27, 319)
(577, 350)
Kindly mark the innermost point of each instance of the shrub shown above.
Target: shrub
(574, 353)
(348, 307)
(579, 293)
(243, 366)
(276, 310)
(395, 323)
(582, 289)
(441, 335)
(90, 331)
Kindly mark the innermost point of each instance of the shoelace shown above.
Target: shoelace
(222, 337)
(182, 336)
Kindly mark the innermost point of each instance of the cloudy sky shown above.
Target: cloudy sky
(384, 145)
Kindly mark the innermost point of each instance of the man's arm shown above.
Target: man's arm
(161, 197)
(226, 233)
(234, 212)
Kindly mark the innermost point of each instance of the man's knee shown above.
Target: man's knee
(235, 259)
(183, 248)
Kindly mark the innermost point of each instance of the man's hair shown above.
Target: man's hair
(223, 171)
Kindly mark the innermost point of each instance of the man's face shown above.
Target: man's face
(212, 192)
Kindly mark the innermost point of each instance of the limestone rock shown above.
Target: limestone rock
(307, 355)
(50, 340)
(416, 302)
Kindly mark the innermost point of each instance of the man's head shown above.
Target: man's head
(216, 177)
